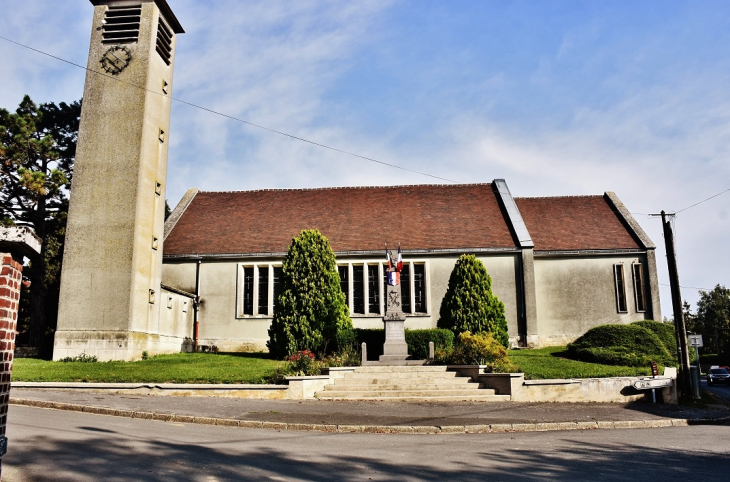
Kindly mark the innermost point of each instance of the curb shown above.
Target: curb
(399, 429)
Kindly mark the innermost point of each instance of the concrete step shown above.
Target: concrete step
(398, 369)
(360, 382)
(438, 398)
(402, 387)
(403, 393)
(414, 375)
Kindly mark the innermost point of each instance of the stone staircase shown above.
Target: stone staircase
(412, 383)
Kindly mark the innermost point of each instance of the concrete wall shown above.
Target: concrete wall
(222, 325)
(577, 293)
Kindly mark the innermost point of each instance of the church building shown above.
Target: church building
(133, 282)
(561, 265)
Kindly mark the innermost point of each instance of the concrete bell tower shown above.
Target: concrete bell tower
(110, 283)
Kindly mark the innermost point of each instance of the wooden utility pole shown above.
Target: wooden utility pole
(679, 325)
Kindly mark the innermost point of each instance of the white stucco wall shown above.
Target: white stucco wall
(577, 293)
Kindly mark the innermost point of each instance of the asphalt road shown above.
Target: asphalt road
(58, 445)
(722, 391)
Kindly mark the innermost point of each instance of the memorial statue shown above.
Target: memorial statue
(395, 348)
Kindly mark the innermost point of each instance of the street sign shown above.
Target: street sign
(649, 383)
(695, 341)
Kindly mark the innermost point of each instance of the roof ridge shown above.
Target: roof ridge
(559, 197)
(335, 188)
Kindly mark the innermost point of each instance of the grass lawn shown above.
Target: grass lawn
(552, 362)
(173, 368)
(257, 368)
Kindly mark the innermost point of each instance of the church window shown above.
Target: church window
(419, 288)
(358, 289)
(639, 287)
(405, 288)
(263, 308)
(277, 283)
(618, 270)
(248, 291)
(344, 272)
(121, 24)
(373, 289)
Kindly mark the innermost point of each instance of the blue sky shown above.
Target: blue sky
(557, 97)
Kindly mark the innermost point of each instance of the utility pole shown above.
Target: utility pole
(679, 325)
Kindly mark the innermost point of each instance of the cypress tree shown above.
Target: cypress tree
(469, 304)
(310, 312)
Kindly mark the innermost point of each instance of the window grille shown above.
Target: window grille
(121, 25)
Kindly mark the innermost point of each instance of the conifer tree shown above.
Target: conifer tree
(470, 305)
(310, 312)
(37, 151)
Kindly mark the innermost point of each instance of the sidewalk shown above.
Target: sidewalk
(386, 417)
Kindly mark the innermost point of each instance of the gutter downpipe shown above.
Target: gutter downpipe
(196, 305)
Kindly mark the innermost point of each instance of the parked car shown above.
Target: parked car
(718, 375)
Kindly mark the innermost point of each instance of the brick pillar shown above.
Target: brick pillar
(10, 278)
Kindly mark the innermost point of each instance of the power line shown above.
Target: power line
(252, 124)
(704, 200)
(690, 287)
(672, 215)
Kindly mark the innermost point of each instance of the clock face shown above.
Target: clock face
(116, 59)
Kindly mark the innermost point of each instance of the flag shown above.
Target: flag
(399, 263)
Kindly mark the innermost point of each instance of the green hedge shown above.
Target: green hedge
(417, 341)
(665, 332)
(627, 345)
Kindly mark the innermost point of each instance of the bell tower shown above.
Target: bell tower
(110, 282)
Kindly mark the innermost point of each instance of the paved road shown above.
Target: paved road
(59, 445)
(722, 391)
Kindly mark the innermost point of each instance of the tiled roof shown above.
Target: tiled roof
(574, 222)
(353, 218)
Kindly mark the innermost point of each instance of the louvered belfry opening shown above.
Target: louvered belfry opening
(164, 41)
(121, 24)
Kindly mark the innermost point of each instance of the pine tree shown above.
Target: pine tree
(310, 312)
(37, 151)
(470, 305)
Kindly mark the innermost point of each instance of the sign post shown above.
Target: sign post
(695, 341)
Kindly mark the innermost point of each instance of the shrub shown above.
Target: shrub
(417, 341)
(303, 363)
(310, 312)
(627, 345)
(665, 332)
(481, 349)
(469, 304)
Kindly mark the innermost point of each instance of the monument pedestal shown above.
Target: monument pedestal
(395, 348)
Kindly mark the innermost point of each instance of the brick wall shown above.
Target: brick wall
(10, 279)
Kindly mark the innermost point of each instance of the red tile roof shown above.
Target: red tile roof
(353, 218)
(574, 222)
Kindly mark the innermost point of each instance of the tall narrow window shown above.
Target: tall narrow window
(358, 289)
(405, 288)
(263, 290)
(248, 291)
(618, 270)
(639, 287)
(277, 282)
(373, 289)
(344, 272)
(419, 288)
